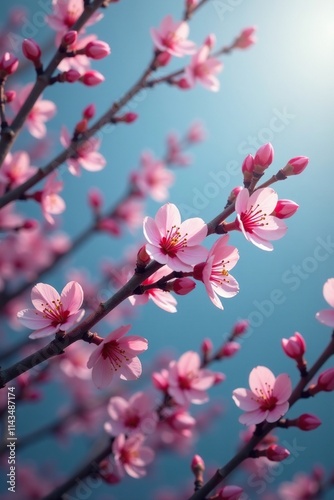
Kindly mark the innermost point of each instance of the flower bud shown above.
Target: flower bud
(197, 464)
(326, 380)
(183, 84)
(245, 39)
(285, 209)
(8, 64)
(276, 453)
(263, 158)
(95, 199)
(130, 117)
(89, 112)
(210, 41)
(110, 226)
(247, 168)
(31, 50)
(295, 166)
(91, 78)
(294, 347)
(162, 59)
(10, 95)
(196, 133)
(71, 76)
(230, 492)
(143, 257)
(307, 422)
(206, 346)
(240, 327)
(81, 126)
(97, 49)
(69, 38)
(229, 349)
(183, 286)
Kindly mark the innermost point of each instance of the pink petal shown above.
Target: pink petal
(259, 242)
(72, 296)
(328, 292)
(117, 407)
(102, 373)
(188, 362)
(94, 162)
(95, 355)
(242, 201)
(193, 255)
(164, 300)
(196, 230)
(326, 316)
(118, 333)
(72, 320)
(134, 344)
(44, 332)
(43, 294)
(36, 128)
(167, 216)
(277, 412)
(253, 417)
(32, 319)
(244, 399)
(260, 378)
(132, 370)
(282, 388)
(151, 231)
(266, 197)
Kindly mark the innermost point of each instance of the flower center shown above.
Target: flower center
(132, 421)
(116, 355)
(253, 218)
(173, 242)
(171, 39)
(55, 312)
(265, 399)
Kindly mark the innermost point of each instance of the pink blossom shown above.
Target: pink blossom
(80, 62)
(131, 456)
(245, 39)
(230, 492)
(172, 36)
(174, 151)
(130, 212)
(87, 155)
(214, 272)
(254, 219)
(196, 133)
(66, 13)
(285, 209)
(31, 50)
(183, 286)
(294, 347)
(162, 299)
(52, 203)
(188, 382)
(302, 487)
(204, 68)
(16, 169)
(176, 426)
(295, 166)
(128, 416)
(73, 363)
(153, 178)
(263, 158)
(53, 312)
(267, 399)
(97, 49)
(172, 242)
(326, 316)
(42, 111)
(117, 355)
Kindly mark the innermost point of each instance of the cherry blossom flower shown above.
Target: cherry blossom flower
(188, 382)
(42, 111)
(203, 68)
(131, 456)
(162, 299)
(16, 169)
(326, 316)
(133, 415)
(153, 178)
(80, 62)
(175, 154)
(302, 487)
(87, 155)
(172, 36)
(52, 203)
(214, 272)
(172, 242)
(267, 399)
(117, 355)
(254, 219)
(53, 312)
(73, 363)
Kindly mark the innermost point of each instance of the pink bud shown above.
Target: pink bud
(285, 209)
(277, 453)
(263, 157)
(191, 4)
(230, 492)
(10, 95)
(240, 327)
(130, 117)
(110, 226)
(91, 78)
(196, 133)
(31, 50)
(8, 63)
(206, 346)
(183, 84)
(326, 380)
(97, 49)
(234, 193)
(247, 168)
(295, 346)
(70, 38)
(81, 126)
(197, 464)
(30, 224)
(295, 166)
(89, 112)
(229, 349)
(162, 59)
(219, 377)
(160, 381)
(198, 271)
(210, 40)
(183, 286)
(143, 257)
(308, 422)
(245, 39)
(95, 198)
(71, 76)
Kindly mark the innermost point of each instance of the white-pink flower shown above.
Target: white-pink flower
(53, 312)
(162, 299)
(153, 178)
(172, 36)
(117, 356)
(131, 456)
(87, 155)
(42, 111)
(326, 316)
(187, 381)
(267, 399)
(132, 415)
(172, 242)
(203, 68)
(254, 219)
(214, 272)
(51, 202)
(16, 169)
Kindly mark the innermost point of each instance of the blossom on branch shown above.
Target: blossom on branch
(172, 242)
(214, 272)
(267, 399)
(16, 169)
(254, 219)
(172, 36)
(53, 312)
(86, 156)
(203, 68)
(117, 356)
(131, 456)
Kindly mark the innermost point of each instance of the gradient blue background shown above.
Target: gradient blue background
(290, 68)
